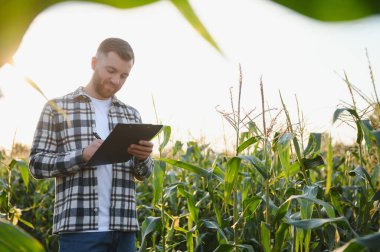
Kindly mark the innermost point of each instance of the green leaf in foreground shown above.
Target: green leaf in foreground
(17, 15)
(13, 238)
(333, 10)
(187, 11)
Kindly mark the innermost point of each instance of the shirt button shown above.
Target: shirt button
(95, 210)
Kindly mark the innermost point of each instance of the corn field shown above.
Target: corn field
(279, 190)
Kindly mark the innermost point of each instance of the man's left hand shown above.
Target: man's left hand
(142, 150)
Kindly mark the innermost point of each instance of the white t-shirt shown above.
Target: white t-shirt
(103, 172)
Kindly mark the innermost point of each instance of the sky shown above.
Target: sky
(186, 77)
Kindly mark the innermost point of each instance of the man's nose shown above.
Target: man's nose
(115, 80)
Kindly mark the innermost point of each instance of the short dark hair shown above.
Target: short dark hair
(119, 46)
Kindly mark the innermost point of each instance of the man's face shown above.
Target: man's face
(110, 73)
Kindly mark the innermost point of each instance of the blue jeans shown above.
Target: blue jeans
(109, 241)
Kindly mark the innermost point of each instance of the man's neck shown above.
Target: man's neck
(91, 92)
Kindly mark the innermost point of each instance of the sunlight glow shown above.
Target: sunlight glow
(186, 76)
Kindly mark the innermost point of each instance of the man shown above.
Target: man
(95, 207)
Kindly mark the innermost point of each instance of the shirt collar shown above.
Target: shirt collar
(80, 94)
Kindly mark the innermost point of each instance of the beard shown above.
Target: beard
(103, 87)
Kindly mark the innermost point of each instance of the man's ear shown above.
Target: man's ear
(93, 63)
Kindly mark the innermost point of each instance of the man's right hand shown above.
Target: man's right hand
(89, 151)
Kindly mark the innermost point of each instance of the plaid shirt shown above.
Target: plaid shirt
(56, 152)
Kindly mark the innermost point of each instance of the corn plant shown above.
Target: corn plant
(277, 190)
(273, 193)
(15, 208)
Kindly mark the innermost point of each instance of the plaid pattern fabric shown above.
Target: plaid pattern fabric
(57, 152)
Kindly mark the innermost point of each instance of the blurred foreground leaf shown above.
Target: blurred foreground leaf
(333, 10)
(13, 238)
(17, 15)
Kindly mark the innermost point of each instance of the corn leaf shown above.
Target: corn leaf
(354, 114)
(376, 196)
(212, 225)
(167, 131)
(376, 134)
(149, 225)
(281, 233)
(265, 236)
(284, 207)
(189, 241)
(281, 211)
(246, 144)
(187, 11)
(362, 173)
(315, 223)
(311, 163)
(313, 144)
(366, 243)
(231, 175)
(283, 148)
(335, 198)
(224, 248)
(213, 196)
(158, 180)
(17, 15)
(295, 141)
(190, 202)
(294, 168)
(257, 163)
(230, 247)
(24, 171)
(367, 133)
(329, 167)
(189, 167)
(14, 239)
(251, 205)
(26, 223)
(333, 10)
